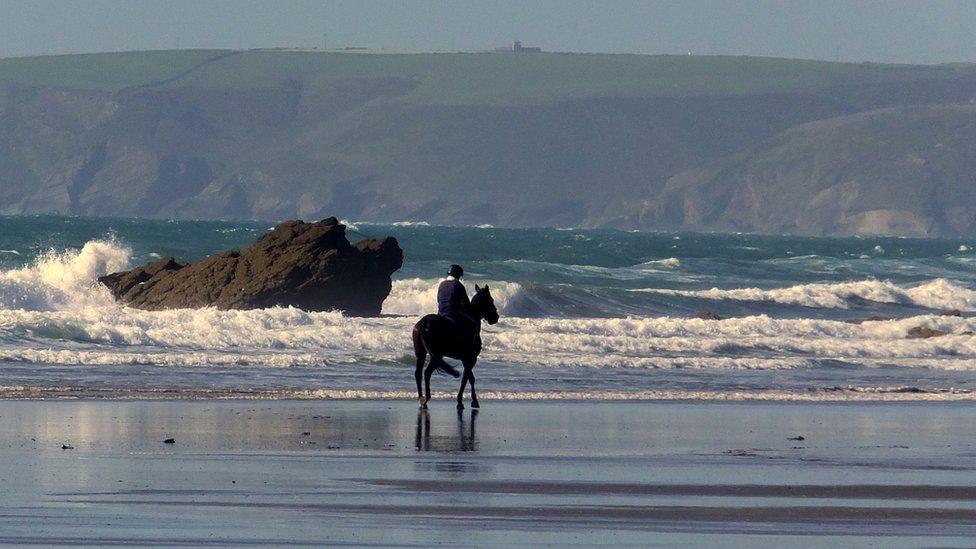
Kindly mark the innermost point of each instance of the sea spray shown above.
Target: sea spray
(64, 280)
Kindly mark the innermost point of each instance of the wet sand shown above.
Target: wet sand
(382, 473)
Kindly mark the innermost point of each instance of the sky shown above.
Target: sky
(892, 31)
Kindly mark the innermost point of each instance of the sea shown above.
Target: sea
(586, 315)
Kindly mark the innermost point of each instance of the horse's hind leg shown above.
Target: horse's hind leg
(464, 383)
(431, 366)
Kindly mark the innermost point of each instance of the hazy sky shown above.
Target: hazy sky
(931, 31)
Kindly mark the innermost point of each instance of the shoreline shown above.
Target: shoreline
(833, 395)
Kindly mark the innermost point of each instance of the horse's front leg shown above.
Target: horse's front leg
(464, 383)
(469, 370)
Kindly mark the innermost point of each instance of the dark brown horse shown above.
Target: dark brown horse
(441, 337)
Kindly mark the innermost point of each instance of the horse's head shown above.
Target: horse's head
(484, 305)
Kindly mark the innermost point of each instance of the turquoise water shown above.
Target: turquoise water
(586, 314)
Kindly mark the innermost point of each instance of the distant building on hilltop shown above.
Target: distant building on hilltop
(517, 47)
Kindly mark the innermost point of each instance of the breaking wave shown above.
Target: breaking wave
(292, 337)
(935, 294)
(64, 280)
(418, 296)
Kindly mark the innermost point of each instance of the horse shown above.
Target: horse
(441, 337)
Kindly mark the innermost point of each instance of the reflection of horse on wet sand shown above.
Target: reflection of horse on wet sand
(441, 337)
(466, 441)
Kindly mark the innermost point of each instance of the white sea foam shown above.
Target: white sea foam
(670, 263)
(627, 342)
(418, 296)
(288, 337)
(63, 280)
(350, 225)
(936, 294)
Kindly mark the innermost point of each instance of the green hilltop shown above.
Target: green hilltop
(516, 139)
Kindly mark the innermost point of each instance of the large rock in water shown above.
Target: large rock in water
(311, 266)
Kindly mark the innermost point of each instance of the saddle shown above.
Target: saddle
(461, 328)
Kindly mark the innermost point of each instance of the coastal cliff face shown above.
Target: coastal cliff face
(311, 266)
(672, 142)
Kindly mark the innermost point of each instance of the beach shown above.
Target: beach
(380, 472)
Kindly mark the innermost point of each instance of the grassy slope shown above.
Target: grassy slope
(499, 79)
(464, 78)
(102, 71)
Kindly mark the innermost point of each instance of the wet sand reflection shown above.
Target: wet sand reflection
(465, 440)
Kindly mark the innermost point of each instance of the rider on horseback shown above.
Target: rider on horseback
(452, 300)
(449, 334)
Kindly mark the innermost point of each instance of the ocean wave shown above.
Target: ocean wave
(52, 311)
(418, 296)
(775, 339)
(935, 294)
(419, 224)
(670, 263)
(405, 224)
(292, 337)
(64, 280)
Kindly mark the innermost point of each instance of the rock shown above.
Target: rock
(951, 312)
(799, 437)
(707, 315)
(67, 447)
(311, 266)
(170, 441)
(122, 283)
(921, 332)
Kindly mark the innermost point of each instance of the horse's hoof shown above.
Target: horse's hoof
(474, 404)
(423, 404)
(460, 406)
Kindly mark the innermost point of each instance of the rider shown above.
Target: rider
(452, 298)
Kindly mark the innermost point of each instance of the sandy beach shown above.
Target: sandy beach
(514, 473)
